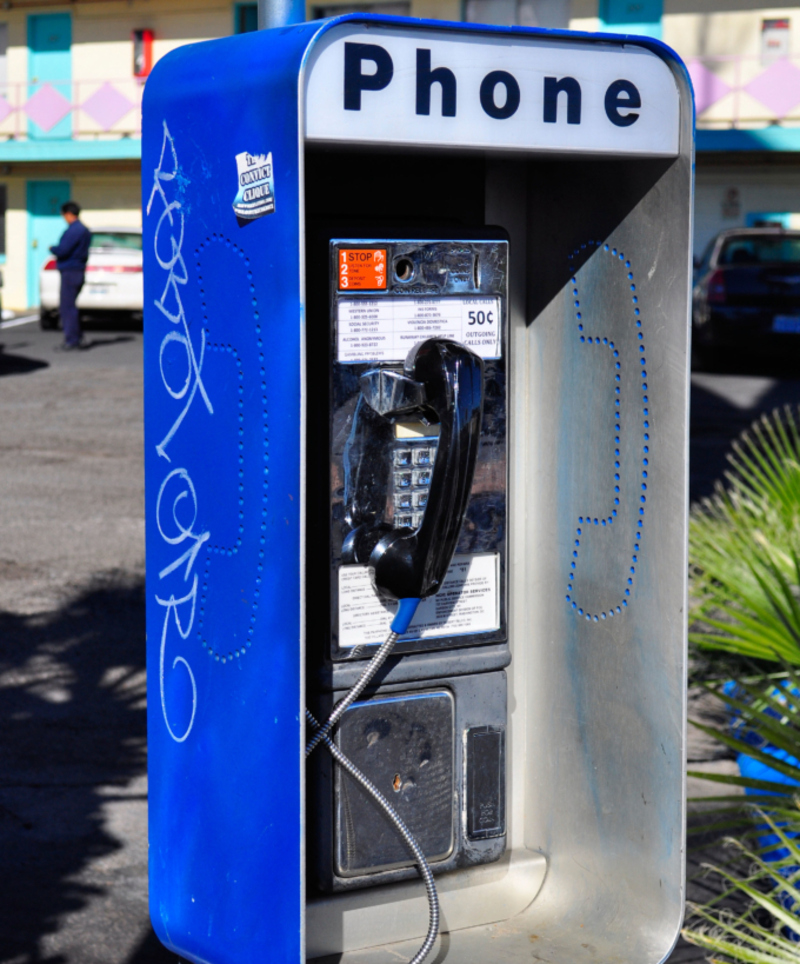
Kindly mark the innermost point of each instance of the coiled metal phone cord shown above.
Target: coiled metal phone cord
(402, 829)
(363, 681)
(405, 613)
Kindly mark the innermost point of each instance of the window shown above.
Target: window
(245, 17)
(632, 16)
(3, 196)
(702, 263)
(3, 59)
(399, 8)
(775, 40)
(130, 240)
(761, 249)
(524, 13)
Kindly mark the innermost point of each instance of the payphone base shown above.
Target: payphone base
(438, 755)
(476, 896)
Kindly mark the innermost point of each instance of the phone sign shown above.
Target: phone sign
(362, 269)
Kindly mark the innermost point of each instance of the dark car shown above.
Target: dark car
(747, 293)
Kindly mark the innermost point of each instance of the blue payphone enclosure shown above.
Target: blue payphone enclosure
(222, 182)
(223, 337)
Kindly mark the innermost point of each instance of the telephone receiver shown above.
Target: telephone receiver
(441, 383)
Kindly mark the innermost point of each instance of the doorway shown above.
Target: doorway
(45, 227)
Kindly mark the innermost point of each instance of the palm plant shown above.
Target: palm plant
(764, 933)
(745, 589)
(764, 874)
(743, 548)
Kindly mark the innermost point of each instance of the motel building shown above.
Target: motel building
(72, 76)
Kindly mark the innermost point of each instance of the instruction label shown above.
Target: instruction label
(386, 329)
(468, 602)
(362, 268)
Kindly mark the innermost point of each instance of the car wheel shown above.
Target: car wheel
(48, 320)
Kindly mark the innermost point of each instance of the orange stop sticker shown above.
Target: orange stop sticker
(361, 268)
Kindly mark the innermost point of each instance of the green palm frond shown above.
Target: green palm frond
(772, 892)
(756, 916)
(743, 548)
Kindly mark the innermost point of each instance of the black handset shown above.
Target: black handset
(442, 384)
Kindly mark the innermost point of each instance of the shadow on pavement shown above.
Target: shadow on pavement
(103, 342)
(119, 321)
(72, 712)
(728, 362)
(152, 951)
(18, 364)
(716, 422)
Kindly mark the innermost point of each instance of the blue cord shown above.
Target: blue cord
(405, 613)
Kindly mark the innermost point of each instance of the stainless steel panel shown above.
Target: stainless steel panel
(597, 708)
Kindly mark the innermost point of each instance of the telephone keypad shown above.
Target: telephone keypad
(412, 470)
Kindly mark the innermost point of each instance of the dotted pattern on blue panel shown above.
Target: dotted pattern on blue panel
(589, 521)
(232, 655)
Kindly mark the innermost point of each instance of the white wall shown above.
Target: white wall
(760, 189)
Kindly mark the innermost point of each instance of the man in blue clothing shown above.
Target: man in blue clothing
(72, 253)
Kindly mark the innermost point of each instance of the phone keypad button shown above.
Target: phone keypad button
(404, 501)
(420, 499)
(423, 457)
(422, 476)
(403, 480)
(405, 521)
(402, 457)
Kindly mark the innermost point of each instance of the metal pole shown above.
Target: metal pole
(280, 13)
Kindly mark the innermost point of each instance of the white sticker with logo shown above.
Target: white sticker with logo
(256, 194)
(385, 329)
(387, 85)
(468, 602)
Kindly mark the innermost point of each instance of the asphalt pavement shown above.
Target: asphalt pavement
(73, 788)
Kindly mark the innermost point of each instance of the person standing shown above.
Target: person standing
(72, 253)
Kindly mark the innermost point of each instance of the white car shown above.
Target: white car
(113, 277)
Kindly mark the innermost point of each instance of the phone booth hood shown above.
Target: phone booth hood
(581, 148)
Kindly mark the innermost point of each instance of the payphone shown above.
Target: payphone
(408, 461)
(416, 378)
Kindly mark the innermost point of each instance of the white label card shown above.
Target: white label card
(468, 602)
(386, 329)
